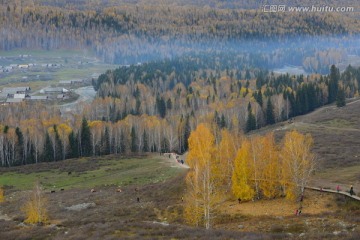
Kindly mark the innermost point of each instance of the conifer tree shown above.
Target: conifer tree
(270, 118)
(340, 98)
(251, 121)
(85, 139)
(73, 146)
(133, 140)
(146, 142)
(333, 83)
(19, 147)
(48, 149)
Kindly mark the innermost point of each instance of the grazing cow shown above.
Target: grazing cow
(52, 191)
(93, 190)
(118, 190)
(62, 189)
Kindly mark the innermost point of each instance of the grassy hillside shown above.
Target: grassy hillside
(90, 172)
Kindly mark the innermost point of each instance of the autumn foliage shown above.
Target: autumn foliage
(207, 181)
(266, 169)
(2, 197)
(258, 168)
(35, 208)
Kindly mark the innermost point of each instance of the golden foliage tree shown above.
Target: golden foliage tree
(36, 207)
(270, 168)
(298, 162)
(262, 169)
(203, 180)
(227, 150)
(241, 178)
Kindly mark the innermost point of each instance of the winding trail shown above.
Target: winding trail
(333, 191)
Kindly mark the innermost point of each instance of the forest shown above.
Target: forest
(157, 110)
(232, 4)
(128, 34)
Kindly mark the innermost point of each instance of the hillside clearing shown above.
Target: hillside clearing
(91, 172)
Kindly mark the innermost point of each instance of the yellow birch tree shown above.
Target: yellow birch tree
(270, 172)
(36, 207)
(203, 179)
(298, 163)
(242, 174)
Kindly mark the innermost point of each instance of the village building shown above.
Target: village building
(38, 98)
(54, 90)
(16, 90)
(14, 100)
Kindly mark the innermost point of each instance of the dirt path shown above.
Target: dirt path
(335, 192)
(175, 157)
(324, 126)
(86, 94)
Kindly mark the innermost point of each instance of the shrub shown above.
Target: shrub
(2, 197)
(36, 207)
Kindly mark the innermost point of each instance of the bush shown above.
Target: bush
(36, 207)
(2, 197)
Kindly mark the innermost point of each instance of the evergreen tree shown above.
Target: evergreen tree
(133, 140)
(169, 104)
(137, 107)
(222, 122)
(48, 154)
(238, 75)
(333, 83)
(146, 142)
(270, 119)
(6, 129)
(251, 121)
(85, 139)
(247, 74)
(161, 106)
(259, 81)
(187, 132)
(122, 143)
(58, 145)
(73, 146)
(258, 97)
(217, 119)
(105, 143)
(19, 154)
(340, 98)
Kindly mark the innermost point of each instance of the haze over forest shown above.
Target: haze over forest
(124, 33)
